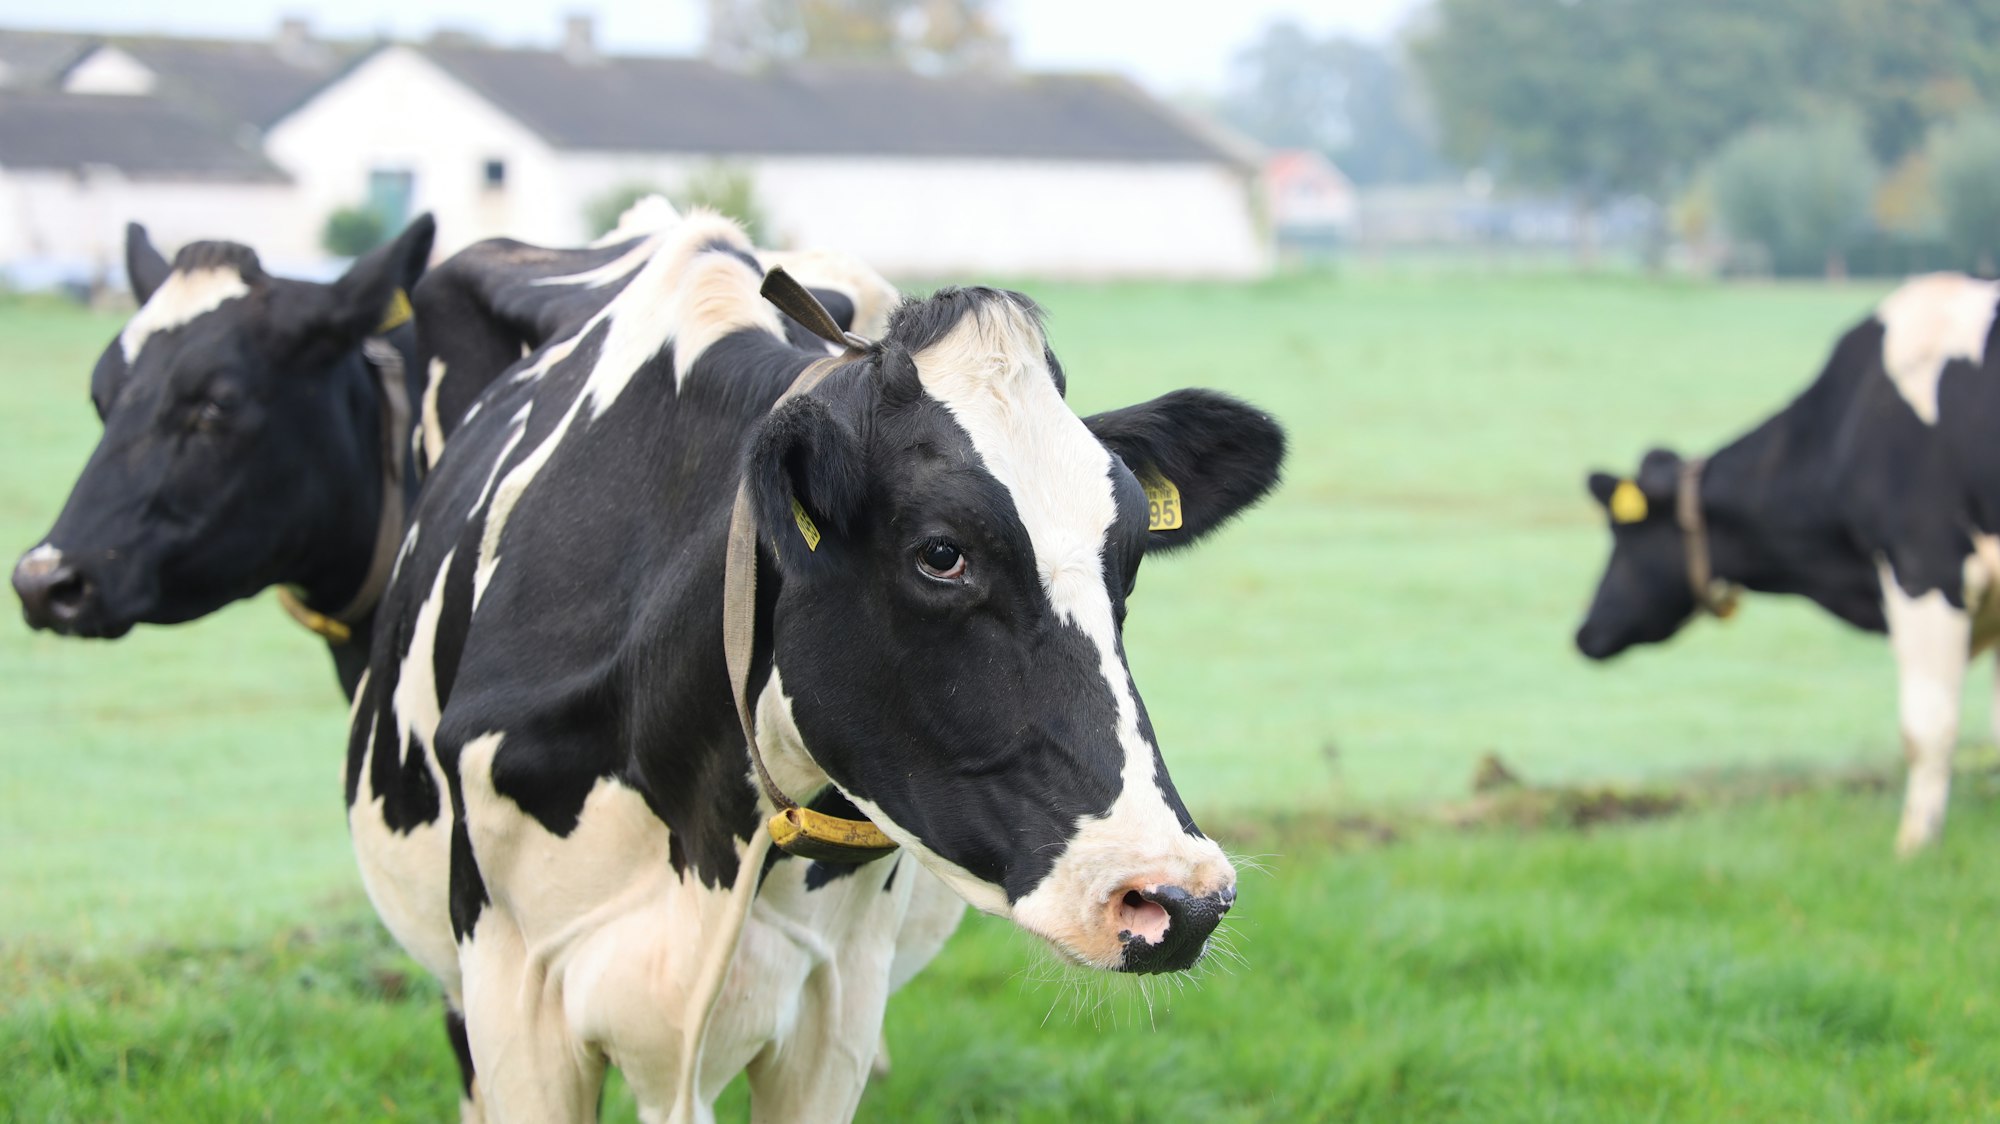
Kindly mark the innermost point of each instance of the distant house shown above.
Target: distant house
(990, 174)
(96, 131)
(1311, 203)
(1017, 174)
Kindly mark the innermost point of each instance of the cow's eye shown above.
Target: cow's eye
(941, 559)
(209, 416)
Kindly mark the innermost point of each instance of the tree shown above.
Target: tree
(1349, 100)
(1597, 97)
(930, 34)
(1801, 192)
(1965, 172)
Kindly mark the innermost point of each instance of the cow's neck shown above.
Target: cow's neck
(1775, 522)
(686, 747)
(337, 558)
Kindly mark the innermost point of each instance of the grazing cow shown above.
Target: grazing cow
(942, 560)
(1876, 493)
(254, 430)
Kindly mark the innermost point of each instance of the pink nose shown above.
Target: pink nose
(1166, 928)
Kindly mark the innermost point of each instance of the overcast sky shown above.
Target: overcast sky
(1171, 45)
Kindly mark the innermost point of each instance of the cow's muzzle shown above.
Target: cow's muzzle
(1165, 928)
(54, 594)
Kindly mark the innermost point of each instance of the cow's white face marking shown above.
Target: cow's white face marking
(1927, 323)
(180, 299)
(991, 372)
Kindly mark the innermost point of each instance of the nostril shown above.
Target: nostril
(67, 592)
(1142, 919)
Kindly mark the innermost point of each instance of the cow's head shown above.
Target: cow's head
(952, 588)
(1644, 596)
(239, 432)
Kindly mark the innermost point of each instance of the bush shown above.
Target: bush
(1965, 162)
(1800, 192)
(728, 188)
(353, 231)
(602, 213)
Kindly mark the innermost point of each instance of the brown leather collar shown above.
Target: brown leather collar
(337, 627)
(1716, 598)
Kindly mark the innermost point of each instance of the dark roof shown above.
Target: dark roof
(247, 81)
(32, 60)
(686, 105)
(253, 82)
(144, 137)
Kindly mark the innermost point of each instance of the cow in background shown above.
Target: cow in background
(255, 430)
(944, 560)
(1876, 494)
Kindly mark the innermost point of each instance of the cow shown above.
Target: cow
(941, 553)
(1875, 493)
(291, 468)
(254, 429)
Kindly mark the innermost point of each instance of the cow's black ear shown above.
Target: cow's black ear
(807, 481)
(1660, 475)
(1216, 455)
(365, 296)
(1601, 485)
(145, 267)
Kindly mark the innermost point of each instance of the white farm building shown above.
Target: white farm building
(923, 176)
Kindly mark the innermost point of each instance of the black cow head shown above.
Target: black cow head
(1644, 596)
(240, 439)
(954, 552)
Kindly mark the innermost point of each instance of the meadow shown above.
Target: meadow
(182, 935)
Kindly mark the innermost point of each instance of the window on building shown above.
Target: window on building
(496, 174)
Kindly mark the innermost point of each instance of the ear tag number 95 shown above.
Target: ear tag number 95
(1163, 503)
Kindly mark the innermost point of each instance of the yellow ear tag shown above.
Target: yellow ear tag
(396, 315)
(806, 529)
(1628, 503)
(1163, 503)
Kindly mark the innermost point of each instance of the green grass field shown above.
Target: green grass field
(183, 936)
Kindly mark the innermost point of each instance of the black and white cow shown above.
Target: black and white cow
(1876, 493)
(944, 564)
(253, 434)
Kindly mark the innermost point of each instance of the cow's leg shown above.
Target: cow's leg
(461, 1050)
(531, 1068)
(818, 1072)
(1932, 641)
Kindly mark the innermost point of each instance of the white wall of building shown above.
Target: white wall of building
(951, 217)
(73, 225)
(399, 112)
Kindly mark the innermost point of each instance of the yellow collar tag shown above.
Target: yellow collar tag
(806, 529)
(1628, 503)
(1163, 503)
(396, 315)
